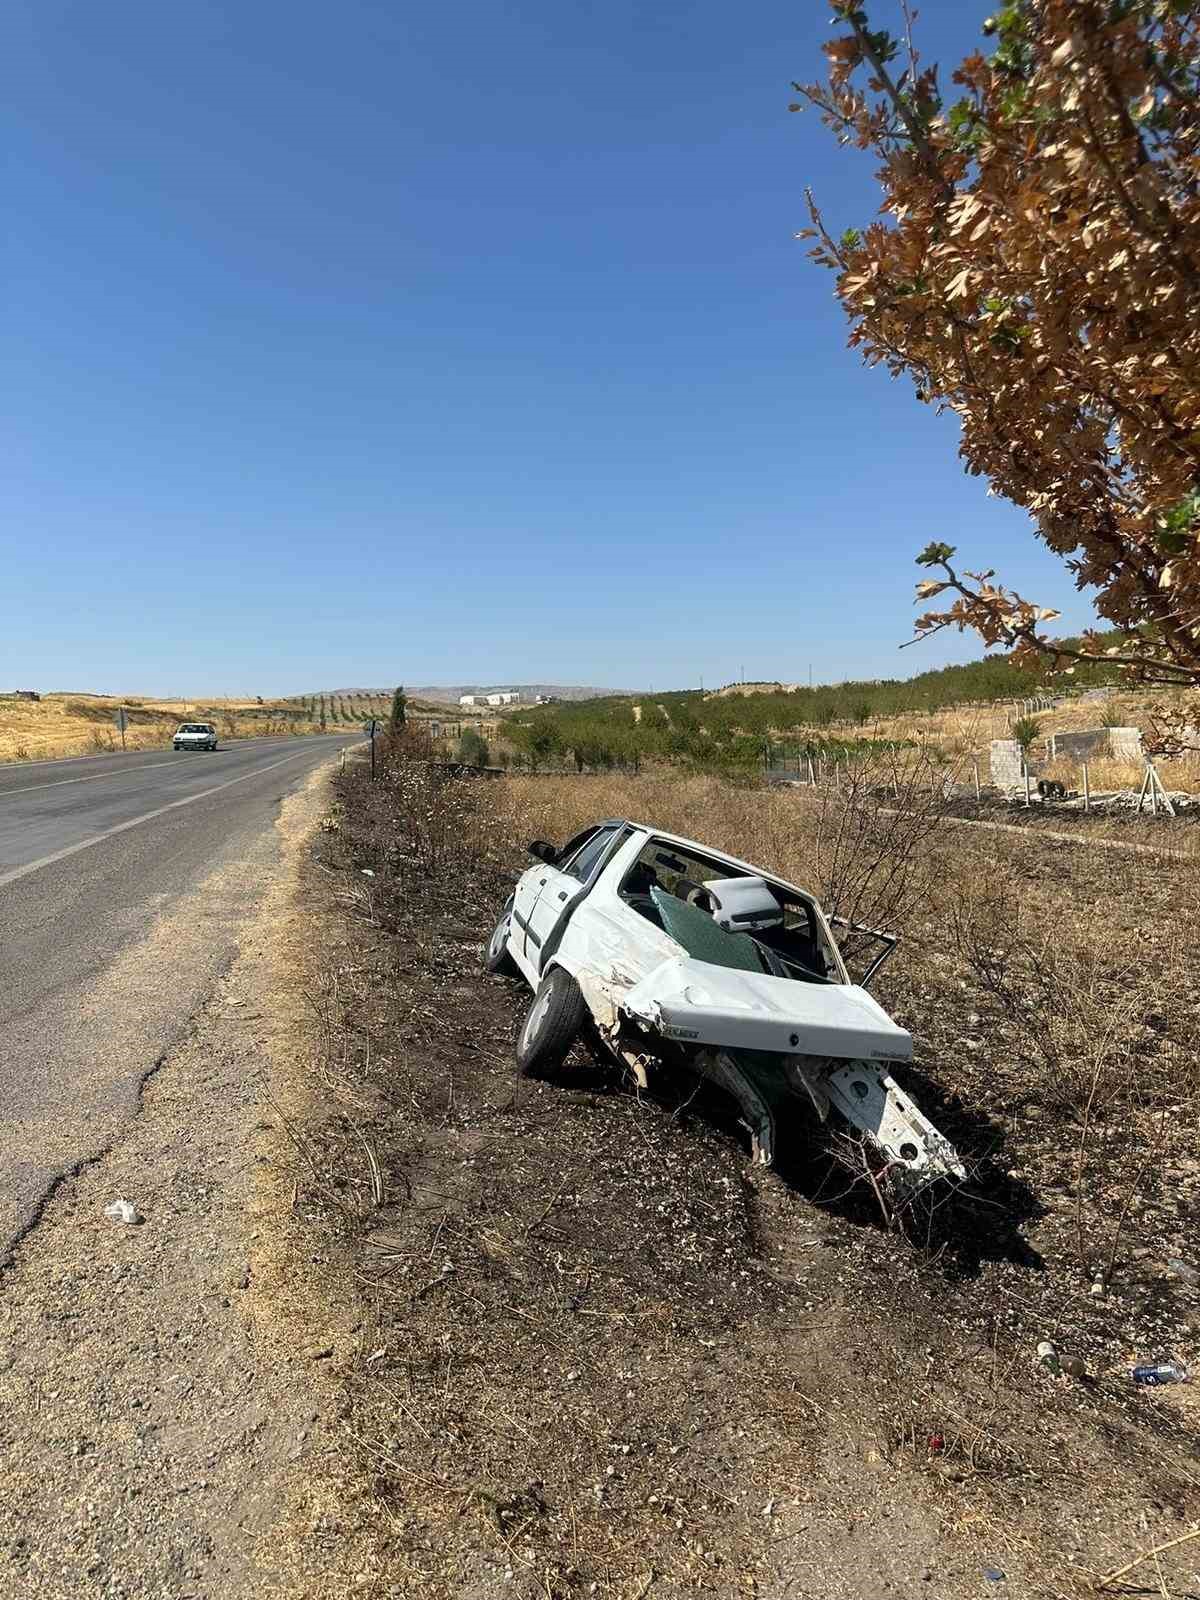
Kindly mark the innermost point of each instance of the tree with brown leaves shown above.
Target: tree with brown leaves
(1036, 270)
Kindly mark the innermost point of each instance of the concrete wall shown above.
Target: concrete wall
(1080, 745)
(1086, 744)
(1125, 744)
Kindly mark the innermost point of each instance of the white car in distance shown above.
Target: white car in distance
(195, 736)
(677, 952)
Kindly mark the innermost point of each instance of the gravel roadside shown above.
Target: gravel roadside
(155, 1391)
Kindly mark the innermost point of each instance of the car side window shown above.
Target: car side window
(583, 862)
(573, 844)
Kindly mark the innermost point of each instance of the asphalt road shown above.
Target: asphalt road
(123, 882)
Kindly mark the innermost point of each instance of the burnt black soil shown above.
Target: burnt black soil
(602, 1354)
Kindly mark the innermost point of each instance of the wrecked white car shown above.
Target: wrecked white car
(675, 950)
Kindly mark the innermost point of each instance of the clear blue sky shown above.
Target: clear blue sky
(374, 342)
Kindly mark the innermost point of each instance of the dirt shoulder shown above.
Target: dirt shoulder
(155, 1396)
(601, 1355)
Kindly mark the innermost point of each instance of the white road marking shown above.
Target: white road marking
(134, 822)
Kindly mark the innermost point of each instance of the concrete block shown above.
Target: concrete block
(1006, 764)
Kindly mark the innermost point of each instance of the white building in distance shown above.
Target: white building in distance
(506, 697)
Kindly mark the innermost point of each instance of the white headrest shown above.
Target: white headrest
(744, 904)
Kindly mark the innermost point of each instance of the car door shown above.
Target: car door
(561, 886)
(531, 885)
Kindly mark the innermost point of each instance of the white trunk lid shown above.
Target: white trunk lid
(696, 1001)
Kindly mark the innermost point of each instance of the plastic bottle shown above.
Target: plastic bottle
(1048, 1356)
(1161, 1372)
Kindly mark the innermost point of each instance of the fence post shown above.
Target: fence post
(1162, 793)
(812, 781)
(975, 764)
(1087, 793)
(1025, 768)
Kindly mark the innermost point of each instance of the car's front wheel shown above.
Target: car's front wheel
(498, 959)
(553, 1023)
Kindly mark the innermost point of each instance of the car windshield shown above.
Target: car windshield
(194, 727)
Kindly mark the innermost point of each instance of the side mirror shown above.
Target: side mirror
(543, 851)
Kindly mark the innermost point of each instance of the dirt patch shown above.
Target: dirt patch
(601, 1355)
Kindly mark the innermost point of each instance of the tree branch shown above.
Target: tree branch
(916, 132)
(1166, 672)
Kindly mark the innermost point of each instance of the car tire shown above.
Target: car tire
(498, 959)
(552, 1023)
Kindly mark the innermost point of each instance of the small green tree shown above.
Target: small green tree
(1025, 730)
(544, 743)
(472, 749)
(862, 712)
(399, 710)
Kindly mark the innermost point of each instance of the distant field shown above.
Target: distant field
(354, 705)
(82, 724)
(955, 712)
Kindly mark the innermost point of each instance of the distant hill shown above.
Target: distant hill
(448, 693)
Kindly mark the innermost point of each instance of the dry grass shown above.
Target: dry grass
(61, 725)
(601, 1357)
(965, 733)
(1106, 774)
